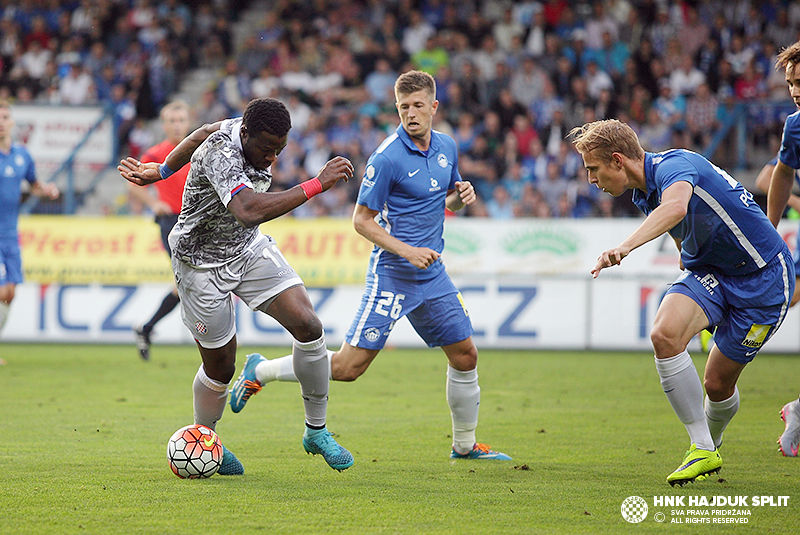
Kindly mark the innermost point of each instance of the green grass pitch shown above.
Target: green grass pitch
(84, 433)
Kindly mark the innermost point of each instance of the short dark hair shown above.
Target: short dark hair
(267, 115)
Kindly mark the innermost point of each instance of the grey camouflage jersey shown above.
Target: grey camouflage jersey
(206, 233)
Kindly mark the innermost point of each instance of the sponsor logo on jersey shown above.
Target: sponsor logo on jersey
(410, 174)
(434, 185)
(441, 159)
(756, 336)
(709, 282)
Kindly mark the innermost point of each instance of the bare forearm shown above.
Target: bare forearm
(780, 188)
(660, 220)
(252, 209)
(453, 201)
(376, 234)
(182, 153)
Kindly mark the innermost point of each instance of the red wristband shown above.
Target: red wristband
(311, 187)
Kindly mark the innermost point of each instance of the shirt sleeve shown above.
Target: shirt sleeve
(30, 173)
(790, 152)
(222, 164)
(377, 182)
(674, 170)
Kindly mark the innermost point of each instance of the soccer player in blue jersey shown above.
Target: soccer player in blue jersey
(779, 195)
(409, 181)
(737, 275)
(16, 165)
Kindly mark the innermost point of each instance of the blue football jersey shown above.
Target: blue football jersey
(15, 166)
(724, 228)
(790, 142)
(408, 187)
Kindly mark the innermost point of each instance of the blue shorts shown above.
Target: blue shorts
(745, 309)
(435, 309)
(10, 262)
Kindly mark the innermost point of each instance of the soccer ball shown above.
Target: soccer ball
(194, 452)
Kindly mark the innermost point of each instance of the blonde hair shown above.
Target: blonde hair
(175, 105)
(607, 137)
(413, 81)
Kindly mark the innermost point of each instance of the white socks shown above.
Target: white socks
(719, 415)
(4, 307)
(282, 369)
(464, 398)
(684, 391)
(312, 368)
(210, 397)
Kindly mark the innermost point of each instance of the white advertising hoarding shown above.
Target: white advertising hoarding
(526, 284)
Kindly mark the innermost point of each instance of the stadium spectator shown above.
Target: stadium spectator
(671, 190)
(685, 79)
(408, 264)
(693, 33)
(537, 33)
(501, 204)
(527, 83)
(218, 240)
(18, 167)
(553, 186)
(612, 55)
(416, 34)
(671, 108)
(432, 57)
(702, 110)
(77, 87)
(655, 134)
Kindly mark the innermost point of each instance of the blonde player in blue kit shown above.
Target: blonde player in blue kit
(778, 196)
(409, 181)
(737, 275)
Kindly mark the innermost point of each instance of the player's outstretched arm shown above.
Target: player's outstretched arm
(780, 189)
(673, 207)
(143, 174)
(137, 172)
(251, 208)
(182, 153)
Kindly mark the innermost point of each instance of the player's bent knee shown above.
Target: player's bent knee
(717, 389)
(308, 329)
(664, 343)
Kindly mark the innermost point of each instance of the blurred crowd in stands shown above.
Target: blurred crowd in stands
(513, 78)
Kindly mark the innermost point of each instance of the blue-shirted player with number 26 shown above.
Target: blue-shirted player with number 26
(738, 275)
(409, 180)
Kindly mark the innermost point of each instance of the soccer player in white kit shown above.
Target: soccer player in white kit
(218, 252)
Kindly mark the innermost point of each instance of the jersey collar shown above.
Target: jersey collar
(236, 134)
(403, 135)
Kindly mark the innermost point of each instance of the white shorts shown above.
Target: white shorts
(257, 277)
